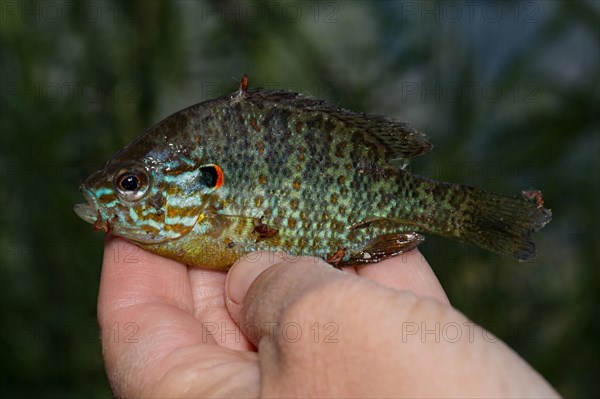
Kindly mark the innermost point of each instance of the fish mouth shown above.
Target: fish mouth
(100, 218)
(87, 211)
(90, 211)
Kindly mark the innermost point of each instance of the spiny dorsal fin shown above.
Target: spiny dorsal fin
(398, 138)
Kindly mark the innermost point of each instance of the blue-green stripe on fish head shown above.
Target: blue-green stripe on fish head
(157, 198)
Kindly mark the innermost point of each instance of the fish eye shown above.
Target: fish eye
(131, 184)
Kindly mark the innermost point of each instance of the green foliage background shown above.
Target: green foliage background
(507, 91)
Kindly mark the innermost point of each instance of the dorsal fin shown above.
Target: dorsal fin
(398, 138)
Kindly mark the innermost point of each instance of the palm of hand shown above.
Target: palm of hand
(169, 330)
(166, 329)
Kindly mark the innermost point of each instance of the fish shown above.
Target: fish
(274, 170)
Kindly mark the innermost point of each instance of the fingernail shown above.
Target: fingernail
(245, 271)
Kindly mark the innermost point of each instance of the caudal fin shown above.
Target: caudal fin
(502, 224)
(498, 223)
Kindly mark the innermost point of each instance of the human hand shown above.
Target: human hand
(172, 331)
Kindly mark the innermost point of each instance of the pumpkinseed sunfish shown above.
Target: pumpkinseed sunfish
(263, 169)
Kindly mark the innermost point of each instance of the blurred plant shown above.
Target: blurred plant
(507, 91)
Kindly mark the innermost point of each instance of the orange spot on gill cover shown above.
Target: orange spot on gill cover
(220, 175)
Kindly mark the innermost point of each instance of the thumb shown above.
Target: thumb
(374, 340)
(317, 328)
(263, 284)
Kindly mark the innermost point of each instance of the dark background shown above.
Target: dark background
(507, 91)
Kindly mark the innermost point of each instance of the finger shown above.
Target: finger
(145, 312)
(408, 271)
(243, 273)
(259, 292)
(208, 291)
(366, 320)
(312, 323)
(132, 276)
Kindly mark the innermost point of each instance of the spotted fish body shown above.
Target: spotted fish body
(275, 170)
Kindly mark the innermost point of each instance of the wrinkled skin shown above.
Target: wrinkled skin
(189, 332)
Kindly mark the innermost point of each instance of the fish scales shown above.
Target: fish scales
(262, 169)
(294, 175)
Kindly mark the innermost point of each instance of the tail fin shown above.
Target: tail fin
(504, 224)
(498, 223)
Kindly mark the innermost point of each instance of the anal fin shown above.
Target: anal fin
(384, 247)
